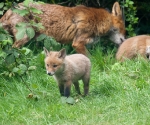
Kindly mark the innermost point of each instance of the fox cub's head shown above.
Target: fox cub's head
(54, 61)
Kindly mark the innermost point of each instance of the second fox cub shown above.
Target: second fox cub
(67, 70)
(134, 46)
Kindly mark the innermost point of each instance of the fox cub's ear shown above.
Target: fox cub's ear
(62, 53)
(45, 51)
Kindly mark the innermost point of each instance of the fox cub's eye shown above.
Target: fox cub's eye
(54, 66)
(47, 65)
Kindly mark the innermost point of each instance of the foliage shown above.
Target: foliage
(17, 62)
(48, 42)
(13, 61)
(130, 16)
(30, 15)
(4, 6)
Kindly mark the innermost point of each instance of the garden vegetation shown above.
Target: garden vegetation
(119, 92)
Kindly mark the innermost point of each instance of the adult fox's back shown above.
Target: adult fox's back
(80, 25)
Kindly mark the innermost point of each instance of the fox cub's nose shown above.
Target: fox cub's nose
(50, 73)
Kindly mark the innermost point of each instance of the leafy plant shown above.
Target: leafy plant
(17, 62)
(3, 7)
(130, 13)
(49, 42)
(14, 62)
(31, 23)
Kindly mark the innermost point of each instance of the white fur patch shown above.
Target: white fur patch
(148, 52)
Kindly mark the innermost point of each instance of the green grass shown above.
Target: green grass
(119, 95)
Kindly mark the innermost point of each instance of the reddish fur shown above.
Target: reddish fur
(133, 47)
(79, 24)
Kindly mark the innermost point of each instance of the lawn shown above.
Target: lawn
(119, 95)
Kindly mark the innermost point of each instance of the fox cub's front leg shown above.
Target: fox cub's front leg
(65, 88)
(61, 89)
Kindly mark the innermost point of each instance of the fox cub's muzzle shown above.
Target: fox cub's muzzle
(50, 73)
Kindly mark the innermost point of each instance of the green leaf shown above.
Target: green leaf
(16, 10)
(41, 37)
(25, 50)
(22, 51)
(21, 25)
(32, 68)
(5, 8)
(37, 18)
(15, 69)
(131, 2)
(9, 51)
(26, 2)
(20, 72)
(63, 99)
(2, 37)
(47, 43)
(36, 11)
(10, 59)
(20, 33)
(22, 67)
(10, 74)
(37, 25)
(21, 12)
(30, 32)
(16, 54)
(5, 42)
(1, 12)
(10, 40)
(126, 5)
(6, 73)
(70, 100)
(1, 4)
(3, 54)
(40, 26)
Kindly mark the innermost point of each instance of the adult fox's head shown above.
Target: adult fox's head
(117, 31)
(54, 61)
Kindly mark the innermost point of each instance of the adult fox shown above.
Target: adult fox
(134, 46)
(78, 25)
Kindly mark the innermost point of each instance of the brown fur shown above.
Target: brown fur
(134, 46)
(80, 25)
(67, 70)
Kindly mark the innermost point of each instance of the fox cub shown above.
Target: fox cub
(134, 46)
(67, 70)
